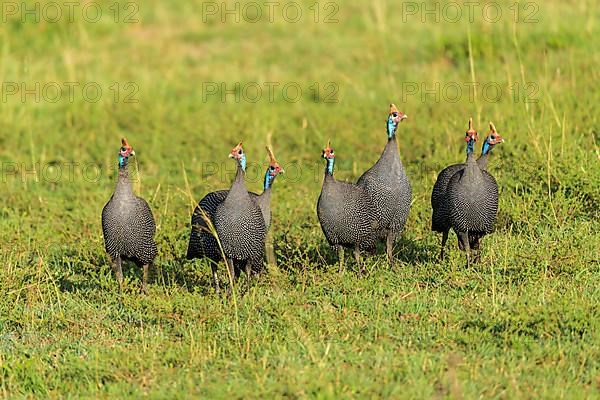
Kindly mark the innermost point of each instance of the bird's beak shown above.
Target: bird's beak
(404, 116)
(282, 171)
(230, 155)
(132, 153)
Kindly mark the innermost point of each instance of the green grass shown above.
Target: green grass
(524, 323)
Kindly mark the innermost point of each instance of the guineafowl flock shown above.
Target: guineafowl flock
(231, 225)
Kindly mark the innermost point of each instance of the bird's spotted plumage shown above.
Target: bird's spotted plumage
(202, 242)
(388, 186)
(473, 203)
(240, 220)
(127, 222)
(440, 198)
(240, 225)
(465, 197)
(440, 220)
(346, 213)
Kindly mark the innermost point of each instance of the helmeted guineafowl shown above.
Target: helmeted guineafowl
(240, 224)
(388, 186)
(347, 214)
(202, 242)
(473, 203)
(440, 218)
(127, 223)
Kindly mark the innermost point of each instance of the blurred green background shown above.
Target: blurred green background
(522, 323)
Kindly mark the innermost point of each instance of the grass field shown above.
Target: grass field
(523, 323)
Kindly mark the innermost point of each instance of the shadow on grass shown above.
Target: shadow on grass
(77, 284)
(295, 254)
(97, 275)
(195, 275)
(303, 248)
(318, 254)
(414, 251)
(192, 275)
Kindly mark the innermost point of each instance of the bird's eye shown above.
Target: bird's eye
(240, 152)
(272, 168)
(394, 114)
(123, 149)
(492, 137)
(331, 152)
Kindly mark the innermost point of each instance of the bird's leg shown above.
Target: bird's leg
(117, 267)
(213, 267)
(340, 251)
(463, 237)
(444, 239)
(357, 258)
(476, 250)
(468, 252)
(231, 269)
(389, 244)
(145, 278)
(248, 274)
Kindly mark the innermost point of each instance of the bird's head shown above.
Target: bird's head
(125, 152)
(273, 170)
(329, 156)
(328, 153)
(471, 134)
(394, 120)
(470, 137)
(492, 139)
(238, 154)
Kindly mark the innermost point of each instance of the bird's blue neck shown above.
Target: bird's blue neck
(470, 146)
(268, 179)
(391, 128)
(487, 147)
(329, 167)
(242, 163)
(123, 161)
